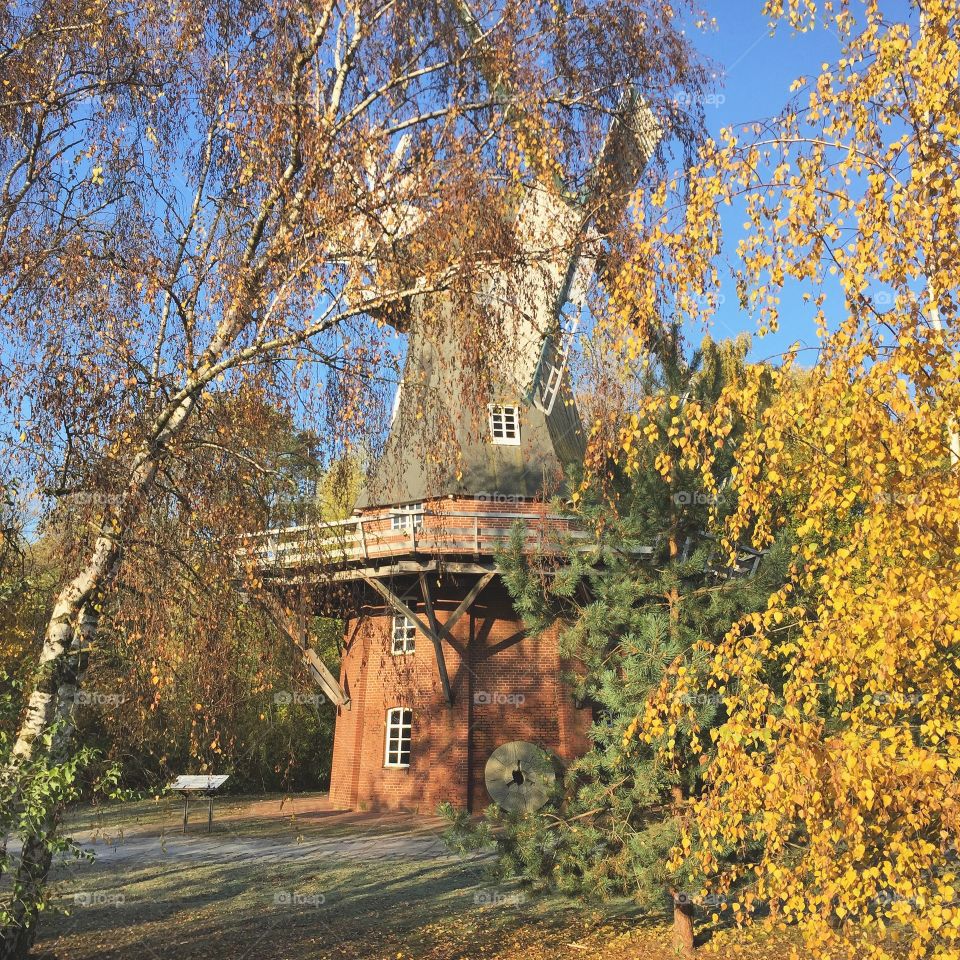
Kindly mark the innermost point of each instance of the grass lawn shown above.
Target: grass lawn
(293, 879)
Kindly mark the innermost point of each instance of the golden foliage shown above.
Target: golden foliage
(834, 796)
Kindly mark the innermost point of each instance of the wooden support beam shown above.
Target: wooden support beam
(431, 634)
(394, 601)
(324, 678)
(299, 634)
(435, 638)
(398, 569)
(467, 602)
(446, 629)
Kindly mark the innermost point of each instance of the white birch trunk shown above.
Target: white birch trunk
(70, 630)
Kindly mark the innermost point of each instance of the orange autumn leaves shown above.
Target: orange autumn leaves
(835, 775)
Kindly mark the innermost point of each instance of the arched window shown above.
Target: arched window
(399, 731)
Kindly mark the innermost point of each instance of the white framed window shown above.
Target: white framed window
(408, 517)
(505, 423)
(404, 635)
(399, 728)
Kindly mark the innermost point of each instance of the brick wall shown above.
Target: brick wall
(505, 687)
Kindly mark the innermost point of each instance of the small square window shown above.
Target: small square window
(409, 517)
(404, 635)
(399, 730)
(505, 423)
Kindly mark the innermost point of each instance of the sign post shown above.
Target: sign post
(198, 785)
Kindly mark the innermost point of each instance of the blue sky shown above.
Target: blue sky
(755, 72)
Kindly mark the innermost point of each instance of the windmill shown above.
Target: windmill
(482, 703)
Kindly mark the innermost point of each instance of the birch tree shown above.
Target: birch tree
(198, 197)
(833, 802)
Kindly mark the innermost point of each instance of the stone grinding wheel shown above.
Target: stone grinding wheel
(520, 776)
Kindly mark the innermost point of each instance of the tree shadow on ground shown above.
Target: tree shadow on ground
(360, 899)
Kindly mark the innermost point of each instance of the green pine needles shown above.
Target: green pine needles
(641, 602)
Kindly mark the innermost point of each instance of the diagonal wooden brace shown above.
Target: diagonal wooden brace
(435, 638)
(298, 633)
(467, 602)
(446, 629)
(429, 631)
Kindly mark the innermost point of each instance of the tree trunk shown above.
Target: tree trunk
(20, 931)
(71, 628)
(683, 932)
(683, 907)
(36, 856)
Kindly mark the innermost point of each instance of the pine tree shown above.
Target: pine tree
(631, 613)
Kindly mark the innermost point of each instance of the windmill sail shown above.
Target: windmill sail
(633, 138)
(439, 443)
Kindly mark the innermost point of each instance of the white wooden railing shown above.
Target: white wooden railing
(401, 531)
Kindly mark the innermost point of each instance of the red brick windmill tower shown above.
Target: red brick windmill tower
(437, 669)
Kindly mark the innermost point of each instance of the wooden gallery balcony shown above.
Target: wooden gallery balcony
(399, 540)
(370, 550)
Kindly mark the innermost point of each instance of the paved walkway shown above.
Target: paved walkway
(300, 827)
(226, 847)
(315, 830)
(315, 808)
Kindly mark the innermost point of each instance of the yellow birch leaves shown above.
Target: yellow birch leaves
(834, 795)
